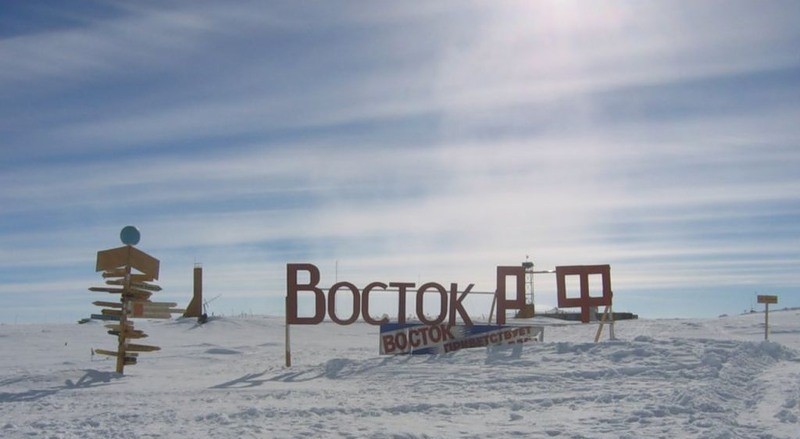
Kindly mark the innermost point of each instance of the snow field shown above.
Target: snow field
(712, 378)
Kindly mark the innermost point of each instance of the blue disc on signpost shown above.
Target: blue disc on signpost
(129, 235)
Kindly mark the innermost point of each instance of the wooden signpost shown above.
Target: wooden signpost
(129, 272)
(766, 300)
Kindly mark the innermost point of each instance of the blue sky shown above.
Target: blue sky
(401, 141)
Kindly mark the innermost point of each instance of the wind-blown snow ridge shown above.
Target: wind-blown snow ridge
(677, 378)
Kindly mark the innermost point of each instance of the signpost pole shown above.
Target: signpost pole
(494, 302)
(766, 300)
(287, 342)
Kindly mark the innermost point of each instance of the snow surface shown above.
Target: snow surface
(703, 378)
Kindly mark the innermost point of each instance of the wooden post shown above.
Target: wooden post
(123, 320)
(766, 300)
(287, 342)
(195, 308)
(606, 319)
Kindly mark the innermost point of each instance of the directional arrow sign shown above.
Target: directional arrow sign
(145, 286)
(105, 317)
(117, 326)
(117, 272)
(137, 295)
(153, 315)
(135, 277)
(134, 284)
(105, 352)
(141, 348)
(107, 289)
(108, 304)
(129, 334)
(152, 310)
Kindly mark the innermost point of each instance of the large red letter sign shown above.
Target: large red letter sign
(585, 302)
(519, 301)
(292, 287)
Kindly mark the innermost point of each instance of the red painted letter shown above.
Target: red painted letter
(292, 288)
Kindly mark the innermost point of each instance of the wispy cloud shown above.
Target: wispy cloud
(426, 143)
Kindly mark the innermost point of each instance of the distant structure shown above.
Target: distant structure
(529, 309)
(195, 308)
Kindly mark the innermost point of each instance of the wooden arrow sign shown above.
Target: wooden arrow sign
(138, 285)
(105, 352)
(137, 295)
(145, 286)
(108, 304)
(152, 315)
(140, 290)
(152, 310)
(107, 290)
(132, 355)
(129, 334)
(115, 282)
(120, 273)
(105, 317)
(117, 272)
(141, 348)
(111, 312)
(152, 305)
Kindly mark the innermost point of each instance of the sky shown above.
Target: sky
(401, 141)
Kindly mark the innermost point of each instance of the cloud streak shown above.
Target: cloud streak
(406, 143)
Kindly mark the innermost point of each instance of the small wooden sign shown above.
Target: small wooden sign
(767, 299)
(141, 348)
(108, 304)
(105, 317)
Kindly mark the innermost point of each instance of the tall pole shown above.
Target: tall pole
(123, 319)
(766, 321)
(287, 342)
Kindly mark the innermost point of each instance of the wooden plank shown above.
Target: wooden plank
(105, 317)
(141, 290)
(153, 305)
(141, 348)
(145, 286)
(129, 334)
(108, 304)
(107, 290)
(117, 272)
(106, 352)
(135, 277)
(111, 312)
(143, 262)
(152, 315)
(139, 296)
(112, 259)
(117, 326)
(115, 353)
